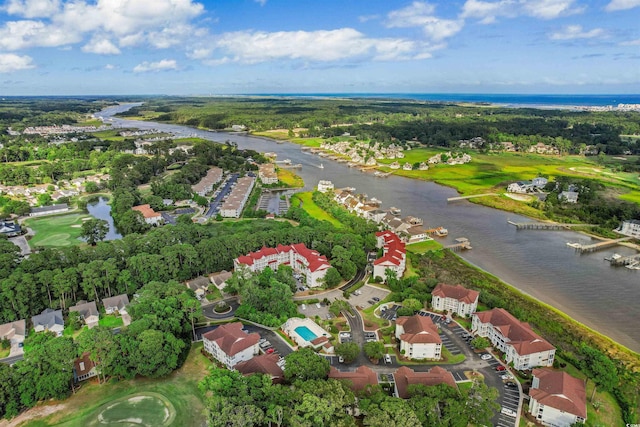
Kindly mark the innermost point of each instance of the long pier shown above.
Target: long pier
(546, 225)
(453, 199)
(597, 246)
(462, 244)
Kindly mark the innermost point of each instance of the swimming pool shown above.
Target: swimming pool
(305, 333)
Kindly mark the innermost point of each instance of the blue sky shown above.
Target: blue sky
(74, 47)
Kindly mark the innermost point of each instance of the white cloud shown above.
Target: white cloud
(329, 45)
(17, 35)
(32, 8)
(622, 5)
(110, 67)
(367, 18)
(101, 47)
(488, 11)
(631, 43)
(162, 65)
(571, 32)
(10, 62)
(261, 2)
(420, 14)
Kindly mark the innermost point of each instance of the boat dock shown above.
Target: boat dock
(625, 260)
(462, 244)
(597, 246)
(454, 199)
(546, 225)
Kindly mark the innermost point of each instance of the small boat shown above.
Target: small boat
(321, 166)
(613, 257)
(574, 245)
(441, 232)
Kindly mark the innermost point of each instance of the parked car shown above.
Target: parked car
(509, 412)
(387, 358)
(376, 299)
(511, 384)
(270, 350)
(507, 377)
(500, 368)
(485, 356)
(340, 359)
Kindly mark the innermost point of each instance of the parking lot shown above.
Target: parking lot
(312, 310)
(451, 346)
(367, 293)
(390, 313)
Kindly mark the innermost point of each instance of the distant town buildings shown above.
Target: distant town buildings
(557, 399)
(230, 345)
(454, 299)
(521, 345)
(393, 258)
(302, 259)
(418, 337)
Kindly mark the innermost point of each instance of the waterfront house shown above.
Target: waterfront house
(568, 196)
(520, 187)
(268, 364)
(520, 344)
(394, 255)
(150, 216)
(418, 337)
(117, 304)
(230, 345)
(630, 228)
(88, 312)
(455, 299)
(404, 377)
(357, 380)
(302, 259)
(49, 320)
(557, 399)
(325, 186)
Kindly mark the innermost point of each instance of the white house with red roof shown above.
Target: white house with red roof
(302, 259)
(557, 399)
(230, 345)
(150, 216)
(394, 255)
(419, 338)
(521, 345)
(454, 299)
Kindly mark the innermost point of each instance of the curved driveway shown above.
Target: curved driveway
(209, 312)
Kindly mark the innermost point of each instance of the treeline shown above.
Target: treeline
(308, 398)
(155, 343)
(611, 367)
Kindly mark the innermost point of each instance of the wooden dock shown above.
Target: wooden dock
(462, 244)
(546, 225)
(598, 246)
(454, 199)
(625, 260)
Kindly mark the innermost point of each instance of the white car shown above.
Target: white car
(507, 377)
(509, 412)
(340, 359)
(485, 356)
(387, 358)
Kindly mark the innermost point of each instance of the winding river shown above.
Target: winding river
(538, 263)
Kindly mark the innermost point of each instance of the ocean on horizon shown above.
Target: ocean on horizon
(485, 98)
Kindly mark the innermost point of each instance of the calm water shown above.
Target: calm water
(101, 210)
(537, 262)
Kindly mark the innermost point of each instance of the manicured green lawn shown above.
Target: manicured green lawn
(174, 400)
(110, 321)
(312, 209)
(55, 231)
(422, 247)
(289, 178)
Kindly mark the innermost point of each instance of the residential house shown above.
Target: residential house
(454, 299)
(394, 165)
(83, 368)
(230, 345)
(394, 255)
(15, 331)
(205, 185)
(404, 377)
(520, 187)
(417, 234)
(302, 259)
(407, 166)
(418, 337)
(568, 196)
(557, 399)
(199, 286)
(220, 279)
(117, 304)
(88, 312)
(49, 320)
(10, 229)
(267, 173)
(49, 210)
(539, 182)
(520, 344)
(150, 216)
(630, 228)
(325, 186)
(268, 364)
(508, 146)
(357, 380)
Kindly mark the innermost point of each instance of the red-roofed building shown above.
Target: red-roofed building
(150, 216)
(404, 377)
(557, 398)
(302, 259)
(455, 299)
(419, 338)
(264, 364)
(516, 339)
(230, 345)
(357, 380)
(394, 255)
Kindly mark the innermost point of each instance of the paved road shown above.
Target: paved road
(12, 359)
(214, 206)
(209, 312)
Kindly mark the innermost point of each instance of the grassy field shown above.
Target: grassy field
(174, 400)
(110, 321)
(289, 178)
(55, 231)
(422, 247)
(312, 209)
